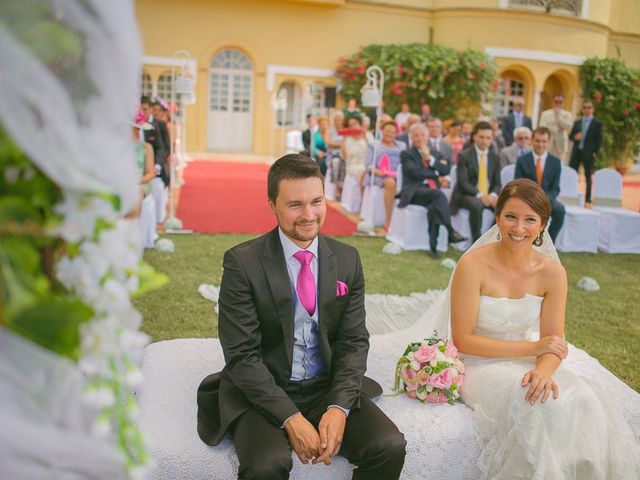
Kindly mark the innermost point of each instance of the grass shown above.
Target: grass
(606, 323)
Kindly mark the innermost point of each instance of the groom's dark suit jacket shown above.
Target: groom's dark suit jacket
(256, 324)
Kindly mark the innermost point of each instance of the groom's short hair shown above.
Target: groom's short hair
(293, 166)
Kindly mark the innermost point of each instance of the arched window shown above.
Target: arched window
(164, 86)
(146, 86)
(510, 88)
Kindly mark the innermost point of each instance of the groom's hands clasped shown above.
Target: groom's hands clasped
(303, 437)
(331, 429)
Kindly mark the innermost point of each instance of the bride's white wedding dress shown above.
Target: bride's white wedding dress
(579, 436)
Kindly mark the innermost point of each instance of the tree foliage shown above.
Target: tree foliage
(452, 82)
(614, 89)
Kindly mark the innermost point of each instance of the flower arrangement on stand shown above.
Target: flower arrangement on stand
(430, 371)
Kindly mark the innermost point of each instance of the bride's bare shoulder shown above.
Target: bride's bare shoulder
(552, 270)
(478, 257)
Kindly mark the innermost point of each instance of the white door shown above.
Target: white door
(230, 102)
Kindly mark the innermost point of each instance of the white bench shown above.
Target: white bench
(440, 438)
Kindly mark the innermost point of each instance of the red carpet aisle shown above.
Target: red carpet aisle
(225, 197)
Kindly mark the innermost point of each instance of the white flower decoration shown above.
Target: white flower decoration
(392, 249)
(588, 284)
(164, 245)
(449, 263)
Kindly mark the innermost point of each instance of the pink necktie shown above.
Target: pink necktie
(306, 285)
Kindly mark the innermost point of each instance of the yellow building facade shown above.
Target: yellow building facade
(260, 65)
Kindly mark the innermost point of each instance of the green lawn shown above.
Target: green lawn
(606, 323)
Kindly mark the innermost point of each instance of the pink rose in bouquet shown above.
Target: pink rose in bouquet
(430, 371)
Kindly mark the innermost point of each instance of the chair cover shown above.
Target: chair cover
(607, 188)
(351, 194)
(373, 209)
(507, 174)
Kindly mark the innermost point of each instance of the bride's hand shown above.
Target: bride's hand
(539, 384)
(552, 344)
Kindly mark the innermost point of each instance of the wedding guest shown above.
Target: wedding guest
(354, 149)
(467, 131)
(478, 178)
(402, 117)
(405, 137)
(337, 163)
(437, 144)
(517, 118)
(321, 137)
(498, 140)
(521, 146)
(421, 170)
(559, 122)
(308, 134)
(425, 113)
(586, 136)
(144, 160)
(545, 169)
(390, 148)
(352, 110)
(455, 140)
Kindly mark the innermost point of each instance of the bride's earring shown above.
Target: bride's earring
(498, 236)
(539, 240)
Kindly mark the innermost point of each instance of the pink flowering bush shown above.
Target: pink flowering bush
(430, 371)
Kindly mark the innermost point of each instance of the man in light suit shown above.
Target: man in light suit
(421, 172)
(545, 169)
(586, 136)
(559, 122)
(292, 328)
(515, 119)
(521, 146)
(478, 178)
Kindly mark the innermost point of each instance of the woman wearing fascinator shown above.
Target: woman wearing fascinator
(534, 417)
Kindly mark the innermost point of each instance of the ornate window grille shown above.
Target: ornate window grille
(573, 7)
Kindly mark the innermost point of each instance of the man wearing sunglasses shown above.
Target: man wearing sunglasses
(559, 121)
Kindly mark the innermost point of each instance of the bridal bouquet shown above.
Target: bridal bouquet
(430, 371)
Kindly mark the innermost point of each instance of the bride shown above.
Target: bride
(534, 417)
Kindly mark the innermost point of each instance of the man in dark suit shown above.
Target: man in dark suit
(307, 135)
(296, 354)
(544, 169)
(478, 178)
(421, 172)
(586, 136)
(156, 137)
(515, 119)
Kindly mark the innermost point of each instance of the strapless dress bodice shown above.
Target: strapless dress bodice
(509, 318)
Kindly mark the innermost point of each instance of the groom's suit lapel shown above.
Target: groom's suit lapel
(275, 268)
(327, 282)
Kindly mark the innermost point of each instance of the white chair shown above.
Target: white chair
(373, 209)
(569, 194)
(619, 228)
(580, 229)
(409, 226)
(507, 174)
(460, 221)
(607, 188)
(148, 222)
(351, 194)
(159, 195)
(293, 141)
(329, 186)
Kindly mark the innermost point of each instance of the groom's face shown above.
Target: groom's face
(300, 209)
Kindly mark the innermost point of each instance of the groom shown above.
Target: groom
(296, 353)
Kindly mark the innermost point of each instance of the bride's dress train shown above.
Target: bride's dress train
(579, 436)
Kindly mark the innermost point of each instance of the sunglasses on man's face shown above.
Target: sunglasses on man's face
(523, 138)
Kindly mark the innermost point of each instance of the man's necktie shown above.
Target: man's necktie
(583, 130)
(539, 170)
(482, 174)
(306, 285)
(434, 145)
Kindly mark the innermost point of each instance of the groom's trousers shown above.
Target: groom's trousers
(371, 440)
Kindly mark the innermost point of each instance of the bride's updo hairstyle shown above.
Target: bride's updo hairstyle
(530, 193)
